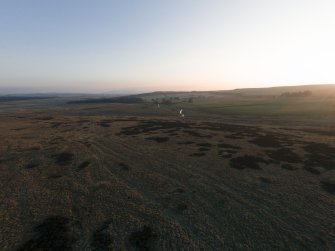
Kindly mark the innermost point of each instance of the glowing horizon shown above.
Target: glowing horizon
(170, 45)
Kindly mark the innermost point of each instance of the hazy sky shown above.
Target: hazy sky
(105, 45)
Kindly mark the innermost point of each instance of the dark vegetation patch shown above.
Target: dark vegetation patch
(289, 167)
(194, 133)
(284, 155)
(55, 124)
(55, 176)
(220, 204)
(167, 126)
(320, 155)
(179, 190)
(53, 234)
(122, 100)
(124, 166)
(181, 207)
(34, 148)
(246, 161)
(56, 140)
(64, 158)
(83, 121)
(31, 165)
(265, 180)
(88, 144)
(328, 186)
(234, 136)
(239, 129)
(198, 154)
(204, 144)
(152, 126)
(129, 119)
(66, 130)
(143, 239)
(203, 149)
(313, 169)
(101, 239)
(158, 139)
(225, 145)
(83, 165)
(171, 131)
(104, 124)
(186, 142)
(44, 118)
(19, 129)
(231, 151)
(266, 141)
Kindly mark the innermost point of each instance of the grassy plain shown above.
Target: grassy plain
(238, 172)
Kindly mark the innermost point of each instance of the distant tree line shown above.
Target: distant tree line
(296, 94)
(21, 98)
(172, 100)
(123, 100)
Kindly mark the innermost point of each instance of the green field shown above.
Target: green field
(315, 107)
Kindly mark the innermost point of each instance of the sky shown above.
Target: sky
(150, 45)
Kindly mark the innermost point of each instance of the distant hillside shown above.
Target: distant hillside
(21, 98)
(170, 97)
(315, 90)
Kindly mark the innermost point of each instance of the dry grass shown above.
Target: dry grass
(77, 181)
